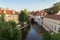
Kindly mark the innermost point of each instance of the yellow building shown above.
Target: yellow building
(10, 15)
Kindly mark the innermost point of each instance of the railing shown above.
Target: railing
(22, 27)
(49, 29)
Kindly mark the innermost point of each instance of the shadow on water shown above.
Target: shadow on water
(25, 32)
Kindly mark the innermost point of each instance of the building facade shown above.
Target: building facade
(10, 15)
(37, 15)
(52, 22)
(58, 13)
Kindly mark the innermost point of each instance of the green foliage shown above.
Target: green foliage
(16, 34)
(54, 9)
(23, 17)
(46, 35)
(26, 12)
(58, 36)
(5, 31)
(55, 36)
(2, 17)
(8, 30)
(12, 23)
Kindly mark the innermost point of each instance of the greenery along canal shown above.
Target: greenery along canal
(8, 30)
(23, 21)
(23, 18)
(25, 32)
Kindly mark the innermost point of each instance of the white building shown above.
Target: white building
(37, 15)
(52, 22)
(58, 13)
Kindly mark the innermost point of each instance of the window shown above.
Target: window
(55, 28)
(52, 26)
(58, 29)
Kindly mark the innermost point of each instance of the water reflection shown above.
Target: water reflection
(33, 35)
(25, 32)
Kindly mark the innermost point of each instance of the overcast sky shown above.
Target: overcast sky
(27, 4)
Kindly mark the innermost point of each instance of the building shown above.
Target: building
(10, 15)
(43, 13)
(52, 22)
(58, 13)
(37, 15)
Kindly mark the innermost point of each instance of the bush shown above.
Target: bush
(12, 23)
(16, 34)
(55, 36)
(46, 35)
(8, 30)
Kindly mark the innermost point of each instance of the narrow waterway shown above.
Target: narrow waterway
(35, 32)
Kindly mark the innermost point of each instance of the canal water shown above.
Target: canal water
(35, 33)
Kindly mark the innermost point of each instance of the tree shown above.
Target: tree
(7, 32)
(2, 17)
(23, 17)
(46, 35)
(55, 36)
(12, 23)
(54, 9)
(26, 12)
(16, 34)
(58, 36)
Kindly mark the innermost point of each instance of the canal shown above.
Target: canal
(35, 32)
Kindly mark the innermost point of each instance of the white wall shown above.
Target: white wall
(52, 24)
(58, 13)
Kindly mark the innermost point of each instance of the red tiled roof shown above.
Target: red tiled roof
(8, 12)
(56, 17)
(11, 12)
(37, 13)
(42, 12)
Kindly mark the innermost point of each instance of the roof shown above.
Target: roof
(37, 13)
(55, 17)
(8, 11)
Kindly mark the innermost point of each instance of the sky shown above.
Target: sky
(31, 5)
